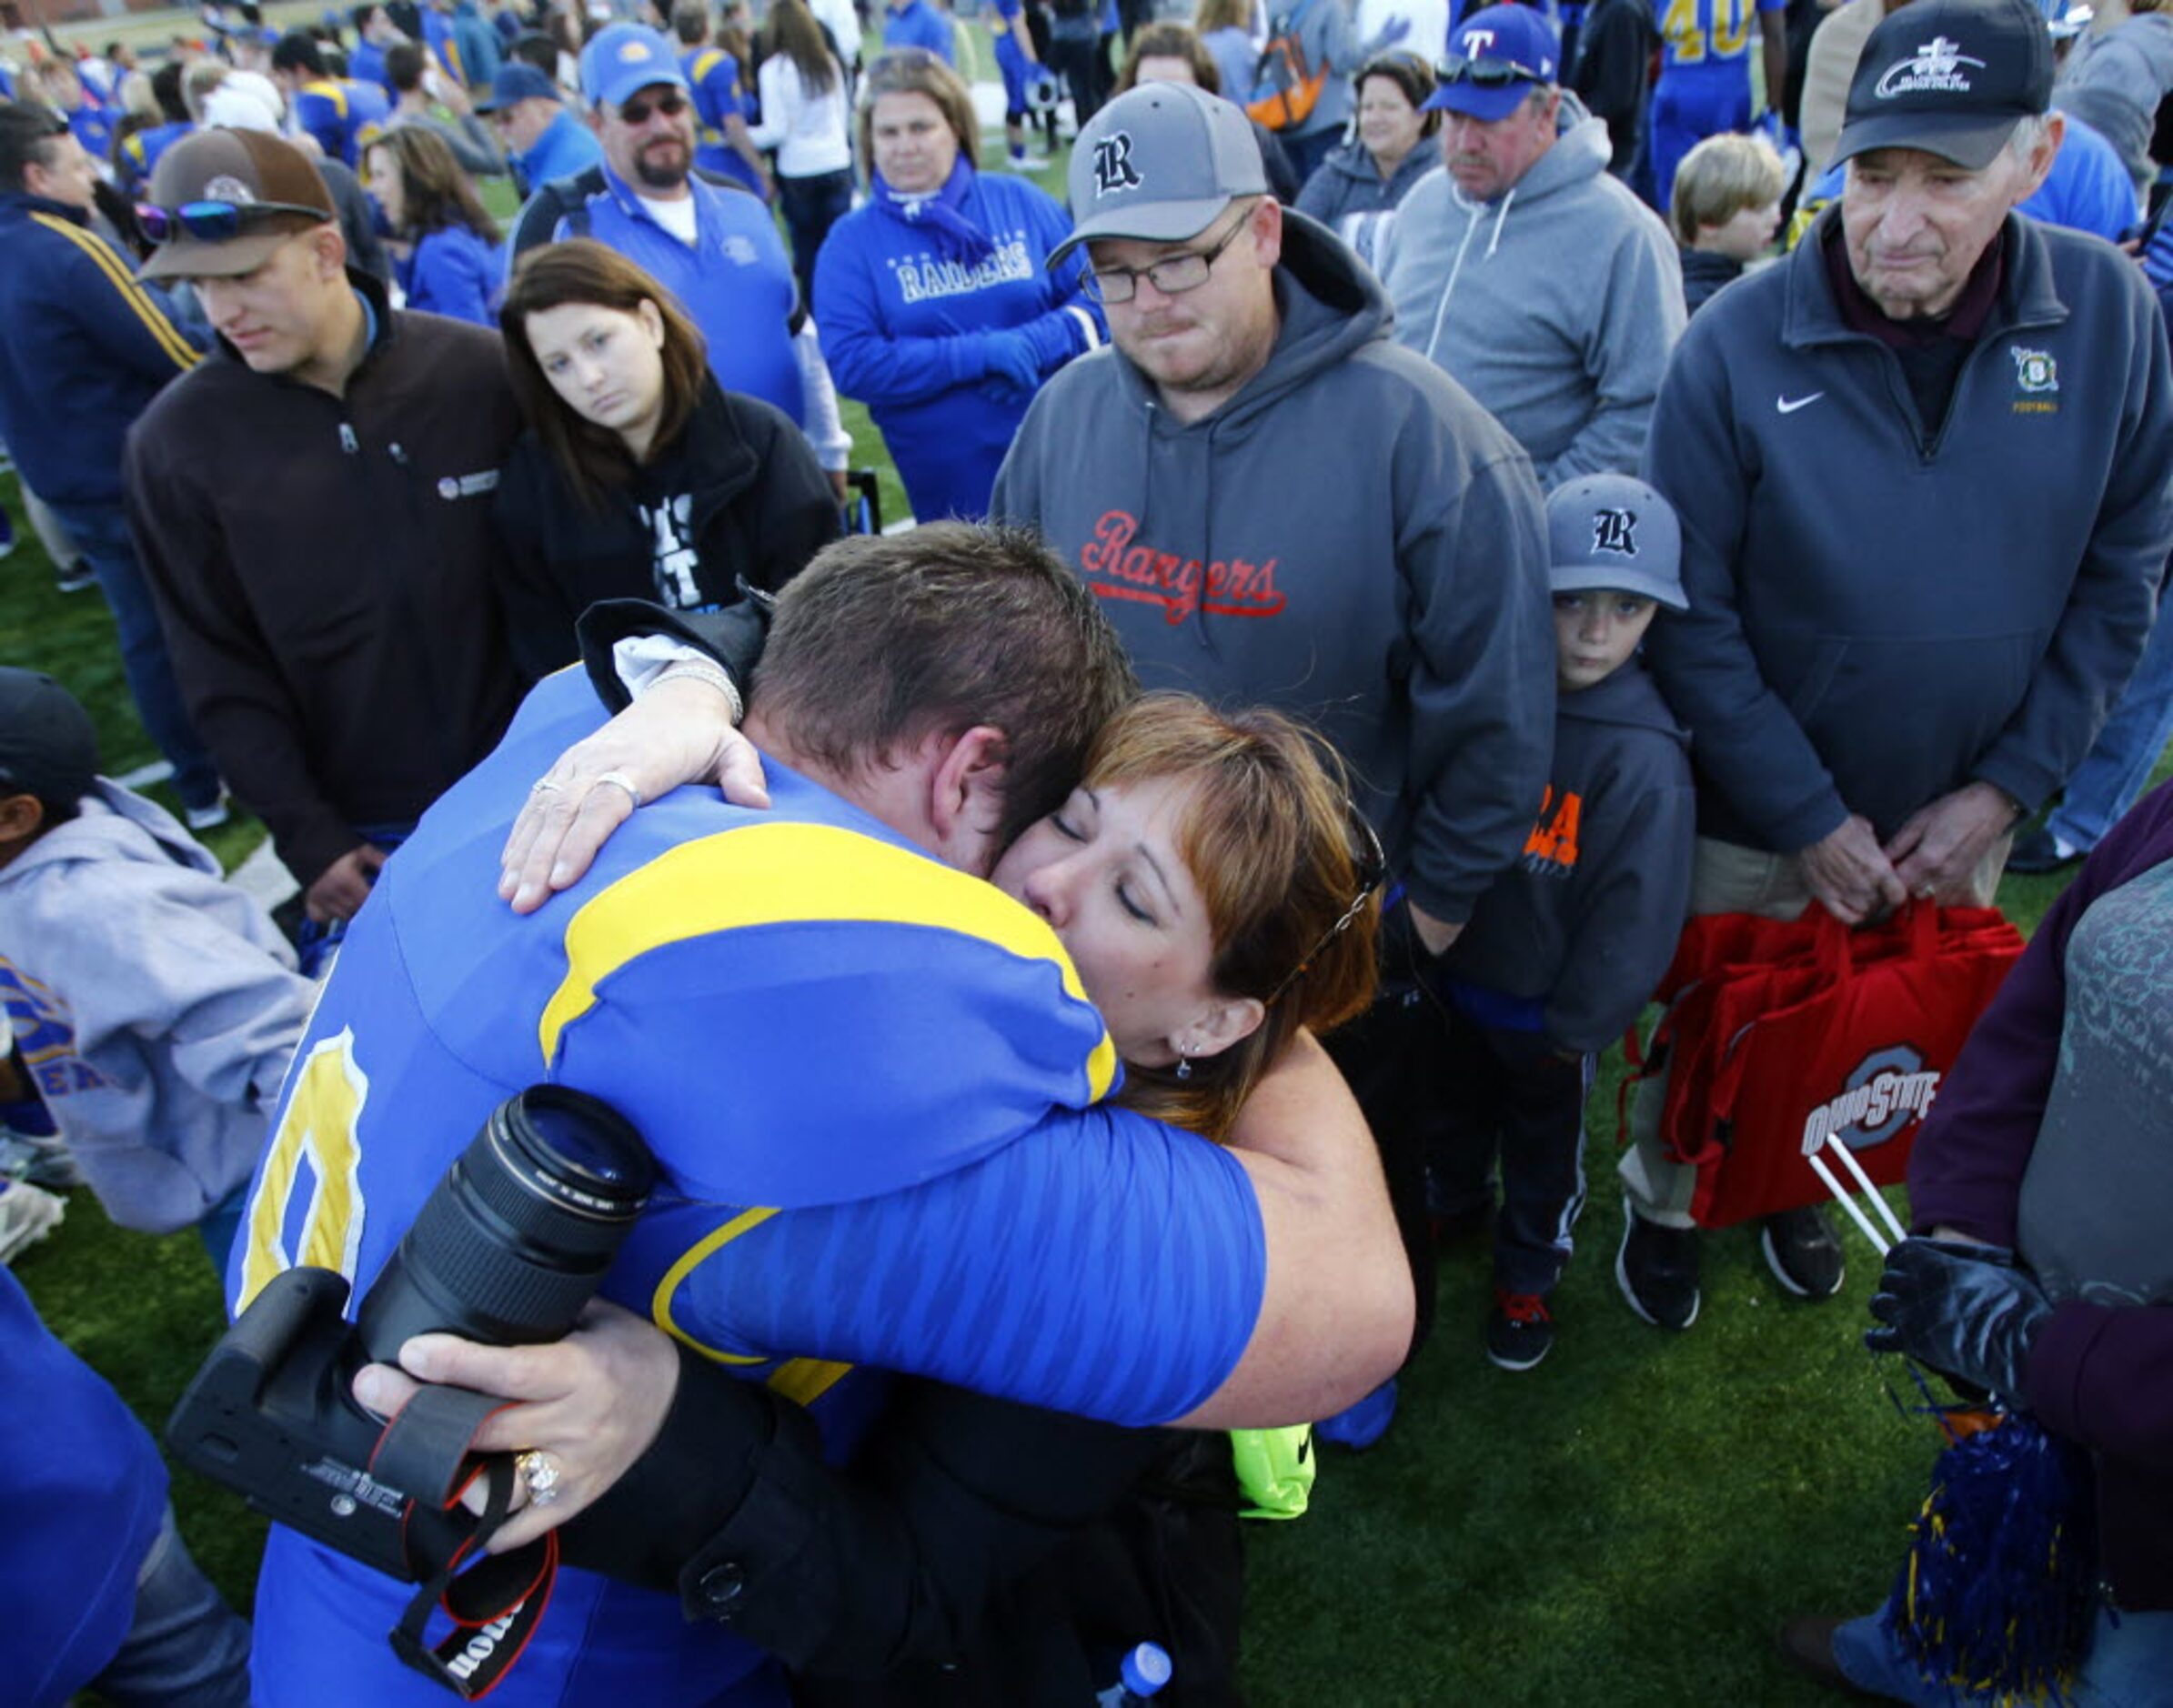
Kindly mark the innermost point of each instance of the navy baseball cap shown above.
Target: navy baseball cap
(1160, 163)
(517, 81)
(1612, 532)
(624, 59)
(47, 746)
(1953, 77)
(1496, 58)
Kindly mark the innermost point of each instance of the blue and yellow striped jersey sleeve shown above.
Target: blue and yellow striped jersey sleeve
(1102, 1265)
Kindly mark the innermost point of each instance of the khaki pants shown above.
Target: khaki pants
(1727, 878)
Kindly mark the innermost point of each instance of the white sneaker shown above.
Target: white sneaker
(26, 1216)
(207, 817)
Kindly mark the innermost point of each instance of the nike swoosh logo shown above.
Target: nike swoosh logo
(1789, 406)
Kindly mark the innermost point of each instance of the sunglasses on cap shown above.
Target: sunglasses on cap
(1486, 73)
(211, 222)
(671, 103)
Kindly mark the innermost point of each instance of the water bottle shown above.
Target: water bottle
(1141, 1674)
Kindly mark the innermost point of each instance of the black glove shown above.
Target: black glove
(1964, 1309)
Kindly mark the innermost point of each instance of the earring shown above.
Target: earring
(1184, 1066)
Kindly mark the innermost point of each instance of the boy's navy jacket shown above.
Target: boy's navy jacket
(1587, 920)
(83, 349)
(1882, 608)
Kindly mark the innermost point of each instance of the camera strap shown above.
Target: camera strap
(497, 1601)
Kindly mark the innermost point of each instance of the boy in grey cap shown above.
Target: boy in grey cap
(1566, 948)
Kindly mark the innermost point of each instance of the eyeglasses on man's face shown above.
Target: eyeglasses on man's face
(1172, 275)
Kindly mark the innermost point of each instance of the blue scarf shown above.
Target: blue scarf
(939, 219)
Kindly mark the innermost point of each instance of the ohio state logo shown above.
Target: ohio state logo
(1882, 1094)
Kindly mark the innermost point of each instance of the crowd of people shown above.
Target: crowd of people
(1430, 510)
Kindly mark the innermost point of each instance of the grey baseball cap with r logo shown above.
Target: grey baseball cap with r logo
(1159, 164)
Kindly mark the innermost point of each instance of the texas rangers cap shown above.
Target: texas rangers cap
(1160, 163)
(1496, 58)
(47, 746)
(1614, 532)
(622, 60)
(274, 187)
(1953, 77)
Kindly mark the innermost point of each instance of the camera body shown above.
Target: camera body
(509, 1247)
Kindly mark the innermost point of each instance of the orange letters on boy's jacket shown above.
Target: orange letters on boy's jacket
(1552, 845)
(1118, 569)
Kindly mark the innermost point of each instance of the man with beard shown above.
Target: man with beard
(712, 245)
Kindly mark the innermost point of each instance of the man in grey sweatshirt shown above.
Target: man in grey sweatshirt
(1276, 504)
(1549, 290)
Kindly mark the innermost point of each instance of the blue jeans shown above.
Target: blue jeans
(811, 207)
(102, 536)
(187, 1649)
(2119, 762)
(2126, 1665)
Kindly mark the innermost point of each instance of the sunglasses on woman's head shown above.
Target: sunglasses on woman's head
(671, 103)
(1486, 73)
(1372, 861)
(210, 222)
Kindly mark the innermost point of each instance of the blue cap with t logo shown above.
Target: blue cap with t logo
(1159, 164)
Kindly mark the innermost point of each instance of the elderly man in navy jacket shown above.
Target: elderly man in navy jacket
(1922, 470)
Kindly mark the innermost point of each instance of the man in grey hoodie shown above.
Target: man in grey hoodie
(1276, 504)
(1548, 289)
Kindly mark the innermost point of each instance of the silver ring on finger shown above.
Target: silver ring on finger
(540, 1471)
(621, 781)
(544, 786)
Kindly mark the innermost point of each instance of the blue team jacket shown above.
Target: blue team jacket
(566, 147)
(453, 271)
(903, 332)
(336, 111)
(919, 25)
(713, 75)
(83, 349)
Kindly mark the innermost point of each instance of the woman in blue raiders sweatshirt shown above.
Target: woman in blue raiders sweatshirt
(936, 309)
(455, 260)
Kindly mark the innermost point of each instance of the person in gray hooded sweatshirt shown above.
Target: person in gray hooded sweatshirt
(1549, 290)
(1276, 504)
(154, 1005)
(2115, 76)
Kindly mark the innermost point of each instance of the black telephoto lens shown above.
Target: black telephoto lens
(514, 1239)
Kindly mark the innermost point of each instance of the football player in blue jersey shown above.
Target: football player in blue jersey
(1704, 75)
(1007, 1545)
(875, 1086)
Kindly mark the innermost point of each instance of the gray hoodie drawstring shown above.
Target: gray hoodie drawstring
(1471, 226)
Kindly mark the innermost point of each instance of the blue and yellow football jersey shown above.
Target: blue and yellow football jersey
(1708, 33)
(878, 1098)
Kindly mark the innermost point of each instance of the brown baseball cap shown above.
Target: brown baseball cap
(271, 188)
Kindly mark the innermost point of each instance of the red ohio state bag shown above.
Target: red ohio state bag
(1778, 1033)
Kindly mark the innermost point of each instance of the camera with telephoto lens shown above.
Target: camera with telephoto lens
(506, 1250)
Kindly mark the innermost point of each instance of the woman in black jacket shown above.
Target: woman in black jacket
(637, 478)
